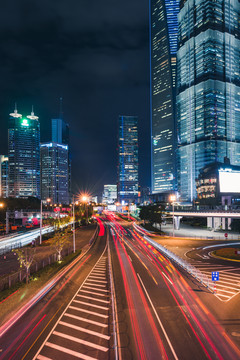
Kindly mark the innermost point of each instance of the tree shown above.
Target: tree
(152, 213)
(25, 258)
(59, 241)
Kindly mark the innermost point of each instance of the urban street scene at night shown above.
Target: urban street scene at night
(120, 180)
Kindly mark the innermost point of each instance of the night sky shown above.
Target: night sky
(94, 54)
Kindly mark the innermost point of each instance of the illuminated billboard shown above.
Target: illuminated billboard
(229, 181)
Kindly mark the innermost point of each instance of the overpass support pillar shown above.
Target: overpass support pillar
(210, 222)
(177, 222)
(229, 222)
(217, 223)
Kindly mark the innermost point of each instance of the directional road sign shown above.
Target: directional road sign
(215, 275)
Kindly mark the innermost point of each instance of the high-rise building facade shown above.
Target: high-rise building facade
(54, 172)
(163, 50)
(208, 88)
(127, 159)
(109, 194)
(60, 135)
(3, 176)
(23, 155)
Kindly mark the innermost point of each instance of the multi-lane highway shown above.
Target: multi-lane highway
(153, 313)
(178, 325)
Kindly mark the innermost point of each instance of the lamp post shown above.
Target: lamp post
(48, 200)
(74, 235)
(173, 199)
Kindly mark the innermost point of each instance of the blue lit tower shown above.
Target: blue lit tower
(163, 49)
(127, 159)
(23, 155)
(208, 88)
(54, 172)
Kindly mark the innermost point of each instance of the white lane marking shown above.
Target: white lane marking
(226, 291)
(201, 256)
(130, 258)
(167, 278)
(93, 293)
(158, 319)
(99, 272)
(79, 328)
(230, 285)
(88, 312)
(56, 324)
(233, 269)
(93, 288)
(79, 341)
(40, 357)
(92, 283)
(99, 278)
(70, 352)
(91, 305)
(86, 320)
(91, 298)
(95, 278)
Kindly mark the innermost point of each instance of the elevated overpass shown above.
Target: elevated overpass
(216, 219)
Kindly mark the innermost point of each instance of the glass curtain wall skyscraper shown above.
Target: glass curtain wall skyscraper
(208, 85)
(23, 155)
(163, 50)
(128, 159)
(54, 172)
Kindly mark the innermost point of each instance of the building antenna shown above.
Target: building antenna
(61, 108)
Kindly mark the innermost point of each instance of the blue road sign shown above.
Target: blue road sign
(215, 275)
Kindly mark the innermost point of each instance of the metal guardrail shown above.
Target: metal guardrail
(196, 273)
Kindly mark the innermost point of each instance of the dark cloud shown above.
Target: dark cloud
(95, 55)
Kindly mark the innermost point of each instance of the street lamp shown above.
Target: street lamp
(85, 199)
(48, 200)
(172, 199)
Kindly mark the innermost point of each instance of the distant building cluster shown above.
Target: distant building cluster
(195, 91)
(34, 169)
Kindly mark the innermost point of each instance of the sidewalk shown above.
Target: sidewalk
(9, 263)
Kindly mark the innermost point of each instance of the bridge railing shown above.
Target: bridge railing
(194, 272)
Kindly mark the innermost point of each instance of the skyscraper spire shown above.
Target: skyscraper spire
(61, 108)
(15, 113)
(32, 116)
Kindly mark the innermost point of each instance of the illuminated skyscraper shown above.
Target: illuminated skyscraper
(163, 49)
(128, 159)
(24, 155)
(208, 88)
(54, 172)
(3, 176)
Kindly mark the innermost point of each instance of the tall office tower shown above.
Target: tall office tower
(3, 176)
(24, 155)
(109, 194)
(163, 50)
(208, 85)
(127, 159)
(60, 131)
(54, 172)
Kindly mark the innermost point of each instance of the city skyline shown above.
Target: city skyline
(98, 64)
